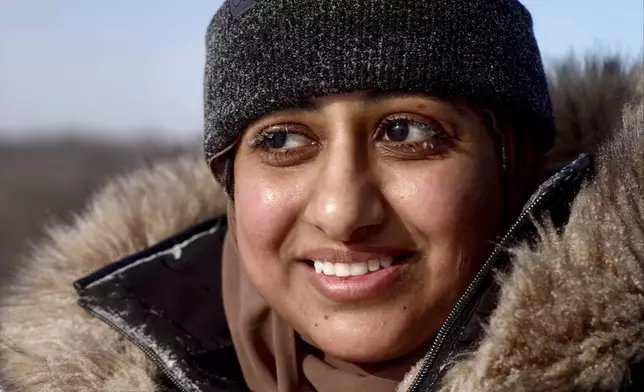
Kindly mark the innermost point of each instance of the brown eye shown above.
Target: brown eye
(410, 131)
(279, 140)
(281, 137)
(397, 132)
(276, 140)
(412, 137)
(284, 145)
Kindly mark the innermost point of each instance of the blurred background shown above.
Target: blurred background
(89, 90)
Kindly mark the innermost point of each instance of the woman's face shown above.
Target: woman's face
(362, 218)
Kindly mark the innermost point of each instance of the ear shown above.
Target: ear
(222, 168)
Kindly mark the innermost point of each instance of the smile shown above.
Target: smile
(355, 276)
(343, 270)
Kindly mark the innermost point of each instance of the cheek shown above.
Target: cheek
(449, 200)
(264, 214)
(261, 209)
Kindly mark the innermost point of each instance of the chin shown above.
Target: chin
(360, 343)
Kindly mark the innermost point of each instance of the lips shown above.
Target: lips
(355, 275)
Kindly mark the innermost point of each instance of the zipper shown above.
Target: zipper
(447, 326)
(151, 355)
(429, 358)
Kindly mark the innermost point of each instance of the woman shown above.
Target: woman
(377, 160)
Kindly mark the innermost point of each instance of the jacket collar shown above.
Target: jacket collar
(464, 325)
(156, 299)
(48, 342)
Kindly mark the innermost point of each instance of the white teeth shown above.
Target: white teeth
(386, 262)
(343, 270)
(329, 268)
(374, 265)
(358, 269)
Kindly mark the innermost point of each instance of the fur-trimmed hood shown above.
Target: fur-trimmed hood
(570, 316)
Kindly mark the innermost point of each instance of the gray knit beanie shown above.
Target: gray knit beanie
(267, 55)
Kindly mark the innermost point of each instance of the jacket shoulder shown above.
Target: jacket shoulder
(48, 342)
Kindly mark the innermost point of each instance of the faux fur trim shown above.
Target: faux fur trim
(571, 314)
(47, 342)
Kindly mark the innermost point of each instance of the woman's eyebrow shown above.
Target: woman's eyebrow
(373, 97)
(309, 104)
(376, 96)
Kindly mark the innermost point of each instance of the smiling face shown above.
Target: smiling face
(363, 219)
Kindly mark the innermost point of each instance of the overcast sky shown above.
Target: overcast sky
(121, 67)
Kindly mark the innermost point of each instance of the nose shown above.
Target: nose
(347, 203)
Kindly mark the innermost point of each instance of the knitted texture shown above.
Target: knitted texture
(267, 55)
